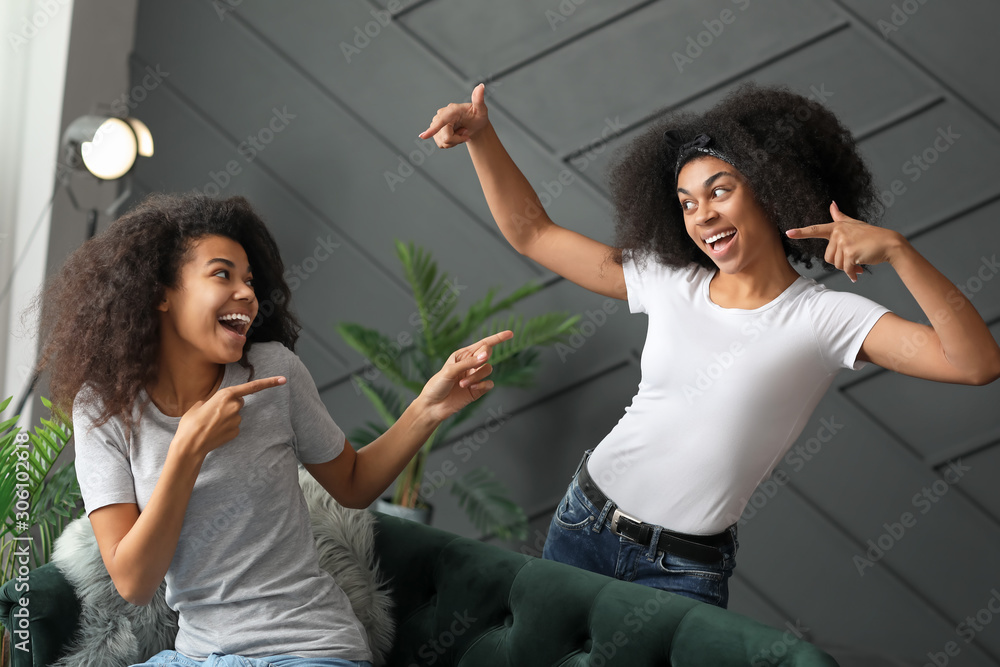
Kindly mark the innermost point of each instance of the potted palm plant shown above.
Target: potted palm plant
(36, 502)
(407, 362)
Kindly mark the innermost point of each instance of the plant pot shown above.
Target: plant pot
(421, 514)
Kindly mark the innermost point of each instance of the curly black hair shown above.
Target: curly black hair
(793, 152)
(99, 322)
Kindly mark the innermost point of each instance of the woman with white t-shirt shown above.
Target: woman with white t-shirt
(712, 209)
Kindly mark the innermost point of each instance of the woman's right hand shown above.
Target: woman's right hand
(457, 123)
(210, 424)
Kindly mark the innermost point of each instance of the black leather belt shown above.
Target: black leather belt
(702, 548)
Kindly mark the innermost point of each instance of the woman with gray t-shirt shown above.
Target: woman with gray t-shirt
(191, 414)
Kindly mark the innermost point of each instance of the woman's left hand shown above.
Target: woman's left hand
(852, 242)
(462, 378)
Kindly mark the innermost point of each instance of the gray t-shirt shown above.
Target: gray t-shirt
(245, 578)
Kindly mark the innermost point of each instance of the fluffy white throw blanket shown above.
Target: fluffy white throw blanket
(114, 633)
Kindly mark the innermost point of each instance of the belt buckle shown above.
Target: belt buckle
(616, 517)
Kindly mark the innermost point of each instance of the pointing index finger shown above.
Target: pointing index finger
(484, 346)
(437, 123)
(812, 231)
(257, 385)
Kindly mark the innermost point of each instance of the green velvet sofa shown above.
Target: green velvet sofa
(464, 603)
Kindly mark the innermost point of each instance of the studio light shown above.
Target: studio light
(106, 146)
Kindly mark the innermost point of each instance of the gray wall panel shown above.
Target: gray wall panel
(609, 67)
(629, 72)
(956, 41)
(791, 542)
(839, 70)
(347, 188)
(392, 61)
(487, 38)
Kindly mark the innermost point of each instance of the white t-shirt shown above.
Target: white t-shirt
(724, 393)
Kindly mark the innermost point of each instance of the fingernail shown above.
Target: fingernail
(481, 356)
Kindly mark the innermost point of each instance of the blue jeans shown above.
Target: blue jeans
(220, 660)
(580, 535)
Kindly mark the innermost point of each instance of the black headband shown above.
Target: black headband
(700, 144)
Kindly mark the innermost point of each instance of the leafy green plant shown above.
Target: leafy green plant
(408, 367)
(27, 499)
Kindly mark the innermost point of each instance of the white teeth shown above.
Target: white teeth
(721, 235)
(236, 316)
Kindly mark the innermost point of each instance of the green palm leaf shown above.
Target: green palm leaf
(480, 311)
(443, 330)
(517, 370)
(56, 504)
(486, 501)
(540, 330)
(379, 350)
(434, 293)
(52, 502)
(388, 403)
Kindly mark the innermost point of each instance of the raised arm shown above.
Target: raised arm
(356, 479)
(956, 347)
(515, 206)
(137, 548)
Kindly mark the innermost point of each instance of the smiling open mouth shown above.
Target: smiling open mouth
(720, 243)
(236, 323)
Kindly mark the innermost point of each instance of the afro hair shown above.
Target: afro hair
(794, 153)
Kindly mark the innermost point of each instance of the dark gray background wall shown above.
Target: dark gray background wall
(336, 93)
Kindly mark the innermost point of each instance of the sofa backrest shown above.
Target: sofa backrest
(459, 601)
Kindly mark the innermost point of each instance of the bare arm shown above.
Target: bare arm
(957, 347)
(356, 479)
(137, 548)
(517, 209)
